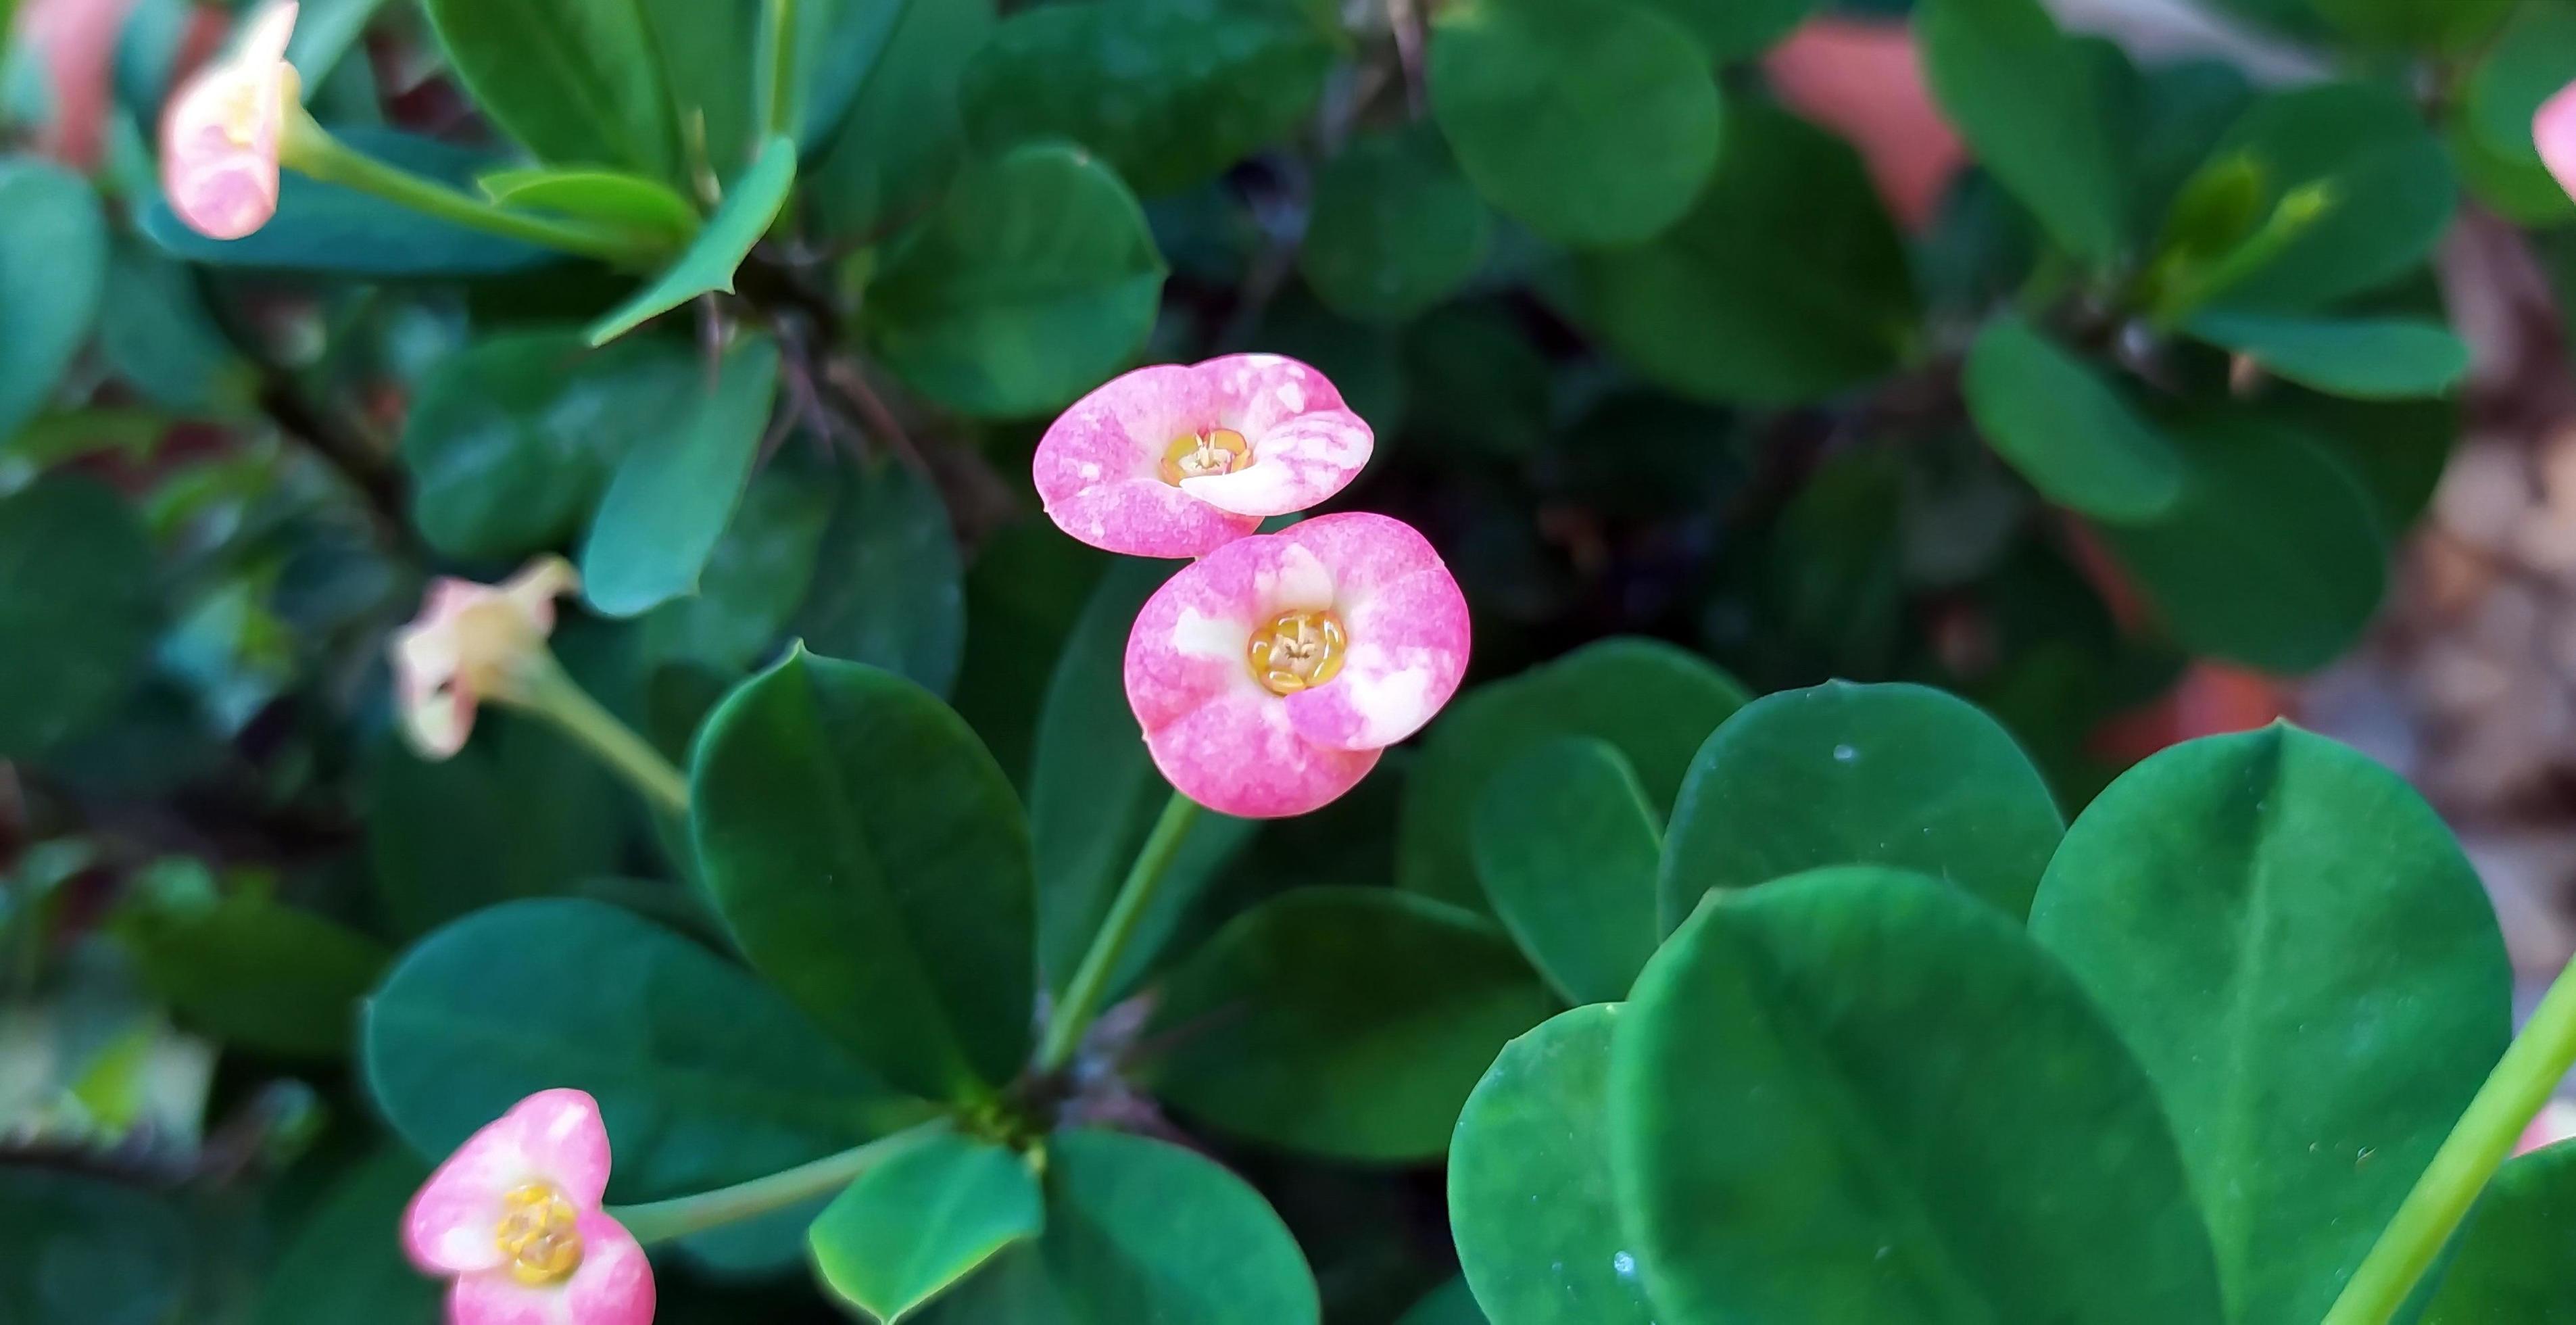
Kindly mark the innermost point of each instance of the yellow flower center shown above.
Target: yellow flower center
(1221, 451)
(537, 1233)
(1298, 650)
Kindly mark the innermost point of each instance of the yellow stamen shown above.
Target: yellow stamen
(537, 1232)
(1221, 451)
(1298, 651)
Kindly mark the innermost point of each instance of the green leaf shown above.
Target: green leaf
(155, 333)
(1567, 847)
(1653, 701)
(53, 271)
(2397, 448)
(2386, 184)
(1841, 774)
(2034, 114)
(673, 494)
(710, 50)
(871, 861)
(1732, 30)
(579, 82)
(708, 264)
(2274, 557)
(1024, 592)
(1785, 282)
(2528, 64)
(903, 135)
(1537, 1225)
(1138, 1230)
(1094, 794)
(254, 973)
(82, 1250)
(2291, 942)
(520, 812)
(2514, 1247)
(2430, 25)
(922, 1220)
(639, 204)
(1449, 1304)
(887, 588)
(1343, 1022)
(77, 609)
(1593, 122)
(340, 1264)
(2070, 432)
(757, 575)
(1034, 280)
(1814, 1116)
(328, 229)
(704, 1075)
(1395, 228)
(511, 440)
(1168, 92)
(2365, 358)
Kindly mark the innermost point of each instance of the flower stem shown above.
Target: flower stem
(545, 689)
(661, 1221)
(1090, 984)
(2531, 1068)
(309, 149)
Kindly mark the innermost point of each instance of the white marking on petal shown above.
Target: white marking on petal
(1196, 636)
(1292, 396)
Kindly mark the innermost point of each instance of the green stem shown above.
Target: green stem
(661, 1221)
(2479, 1143)
(545, 689)
(1082, 998)
(782, 74)
(309, 149)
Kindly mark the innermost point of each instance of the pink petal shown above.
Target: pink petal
(1299, 463)
(554, 1137)
(264, 40)
(1238, 755)
(2553, 131)
(614, 1286)
(1146, 518)
(1408, 631)
(1191, 641)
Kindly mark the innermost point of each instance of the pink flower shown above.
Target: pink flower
(1174, 461)
(220, 135)
(1269, 675)
(470, 643)
(2553, 131)
(514, 1217)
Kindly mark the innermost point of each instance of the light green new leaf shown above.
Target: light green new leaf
(2514, 1247)
(1594, 122)
(2386, 186)
(2035, 115)
(1860, 1095)
(2364, 358)
(2291, 942)
(1567, 847)
(578, 81)
(2068, 431)
(710, 261)
(77, 609)
(871, 860)
(1395, 228)
(635, 203)
(923, 1219)
(1344, 1022)
(53, 269)
(673, 494)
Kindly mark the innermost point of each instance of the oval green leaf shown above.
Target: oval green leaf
(1567, 847)
(674, 492)
(1732, 30)
(580, 82)
(904, 135)
(2512, 1251)
(708, 264)
(2386, 185)
(922, 1220)
(1449, 1304)
(1395, 228)
(887, 588)
(2382, 358)
(255, 973)
(2068, 431)
(519, 812)
(76, 609)
(2036, 115)
(637, 203)
(53, 271)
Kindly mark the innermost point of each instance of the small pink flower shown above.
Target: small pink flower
(220, 135)
(1269, 676)
(2553, 131)
(469, 644)
(1174, 461)
(513, 1216)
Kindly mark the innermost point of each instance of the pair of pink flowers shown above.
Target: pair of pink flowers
(1270, 674)
(514, 1219)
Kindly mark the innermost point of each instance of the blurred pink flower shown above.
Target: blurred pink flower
(2553, 131)
(75, 45)
(1862, 80)
(1269, 676)
(513, 1216)
(221, 132)
(1174, 461)
(468, 645)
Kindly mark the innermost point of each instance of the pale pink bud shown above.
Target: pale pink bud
(220, 134)
(2553, 131)
(471, 642)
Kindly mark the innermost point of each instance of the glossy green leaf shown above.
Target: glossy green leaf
(711, 50)
(511, 440)
(1094, 793)
(1593, 122)
(2431, 25)
(1449, 1304)
(1653, 701)
(1841, 774)
(708, 264)
(674, 492)
(1530, 1202)
(325, 228)
(520, 812)
(755, 579)
(1785, 282)
(922, 1220)
(834, 48)
(1567, 846)
(1140, 1230)
(2274, 557)
(82, 1250)
(2365, 358)
(1033, 281)
(2291, 942)
(2068, 430)
(2386, 185)
(1814, 1117)
(871, 860)
(53, 270)
(637, 203)
(76, 608)
(2513, 1246)
(255, 973)
(887, 589)
(1168, 92)
(2396, 448)
(1395, 228)
(338, 1265)
(1731, 30)
(903, 135)
(1344, 1022)
(2035, 115)
(578, 81)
